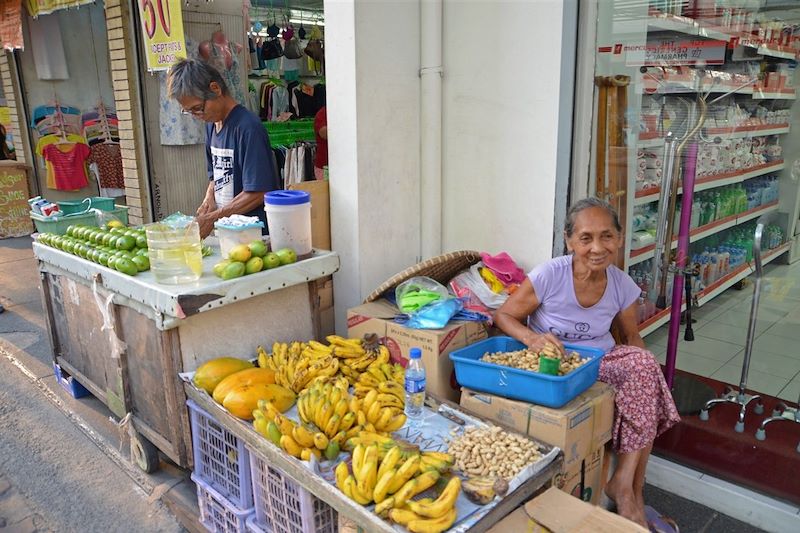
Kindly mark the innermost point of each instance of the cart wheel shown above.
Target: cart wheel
(144, 454)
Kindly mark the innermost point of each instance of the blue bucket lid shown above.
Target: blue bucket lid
(287, 198)
(239, 227)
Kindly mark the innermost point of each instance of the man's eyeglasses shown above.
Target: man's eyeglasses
(196, 110)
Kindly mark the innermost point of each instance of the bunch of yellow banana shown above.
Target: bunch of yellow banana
(381, 411)
(297, 440)
(428, 516)
(297, 364)
(374, 478)
(327, 405)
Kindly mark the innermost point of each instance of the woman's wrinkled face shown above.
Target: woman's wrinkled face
(594, 241)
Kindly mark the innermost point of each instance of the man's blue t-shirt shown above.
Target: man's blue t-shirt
(240, 159)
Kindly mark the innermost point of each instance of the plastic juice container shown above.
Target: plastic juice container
(174, 250)
(231, 235)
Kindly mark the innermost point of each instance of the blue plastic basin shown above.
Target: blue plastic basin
(517, 384)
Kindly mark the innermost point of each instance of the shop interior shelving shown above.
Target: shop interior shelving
(635, 27)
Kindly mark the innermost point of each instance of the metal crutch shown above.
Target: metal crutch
(740, 397)
(781, 412)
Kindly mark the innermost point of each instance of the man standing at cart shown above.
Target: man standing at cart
(241, 165)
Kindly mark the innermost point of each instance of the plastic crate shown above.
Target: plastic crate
(220, 458)
(68, 383)
(95, 202)
(217, 514)
(509, 382)
(254, 527)
(283, 506)
(59, 224)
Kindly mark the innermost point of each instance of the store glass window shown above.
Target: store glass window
(700, 91)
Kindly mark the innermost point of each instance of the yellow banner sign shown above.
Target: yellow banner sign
(162, 28)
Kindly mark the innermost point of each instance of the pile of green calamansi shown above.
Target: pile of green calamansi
(114, 246)
(244, 259)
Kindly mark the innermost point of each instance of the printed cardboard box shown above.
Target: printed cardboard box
(558, 512)
(578, 428)
(584, 478)
(436, 344)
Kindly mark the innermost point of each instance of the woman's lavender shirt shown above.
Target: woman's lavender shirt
(560, 313)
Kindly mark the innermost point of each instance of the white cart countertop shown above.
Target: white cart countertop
(208, 292)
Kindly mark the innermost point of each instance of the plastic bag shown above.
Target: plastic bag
(471, 279)
(417, 292)
(434, 315)
(104, 217)
(471, 301)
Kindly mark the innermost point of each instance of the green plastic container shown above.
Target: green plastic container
(59, 224)
(95, 202)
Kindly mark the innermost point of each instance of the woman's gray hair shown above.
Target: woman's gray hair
(193, 78)
(588, 203)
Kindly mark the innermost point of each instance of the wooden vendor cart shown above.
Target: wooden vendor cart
(126, 338)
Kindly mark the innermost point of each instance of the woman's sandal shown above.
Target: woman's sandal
(659, 523)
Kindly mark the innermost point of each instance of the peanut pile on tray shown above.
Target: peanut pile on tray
(493, 452)
(527, 359)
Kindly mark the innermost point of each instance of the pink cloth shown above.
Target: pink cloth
(644, 408)
(503, 267)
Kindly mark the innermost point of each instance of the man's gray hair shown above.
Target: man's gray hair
(193, 78)
(588, 203)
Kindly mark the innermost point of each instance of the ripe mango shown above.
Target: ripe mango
(249, 376)
(210, 374)
(240, 252)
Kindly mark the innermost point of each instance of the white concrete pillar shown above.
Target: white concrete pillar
(372, 74)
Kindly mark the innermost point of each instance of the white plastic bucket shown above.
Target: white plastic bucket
(289, 220)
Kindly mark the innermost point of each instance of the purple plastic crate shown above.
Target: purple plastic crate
(283, 506)
(217, 514)
(220, 458)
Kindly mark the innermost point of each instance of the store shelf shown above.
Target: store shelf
(740, 132)
(758, 94)
(780, 53)
(689, 26)
(710, 182)
(710, 292)
(643, 254)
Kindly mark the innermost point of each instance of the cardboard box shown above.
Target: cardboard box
(584, 479)
(320, 212)
(436, 344)
(558, 512)
(578, 428)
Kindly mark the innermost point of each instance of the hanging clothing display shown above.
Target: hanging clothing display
(307, 100)
(68, 161)
(46, 141)
(223, 56)
(176, 128)
(101, 131)
(298, 162)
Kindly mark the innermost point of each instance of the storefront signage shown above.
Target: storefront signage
(15, 219)
(162, 28)
(672, 52)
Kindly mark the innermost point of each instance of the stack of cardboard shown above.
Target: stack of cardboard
(581, 429)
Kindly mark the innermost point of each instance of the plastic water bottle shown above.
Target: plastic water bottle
(415, 385)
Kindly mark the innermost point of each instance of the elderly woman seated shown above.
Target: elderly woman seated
(576, 299)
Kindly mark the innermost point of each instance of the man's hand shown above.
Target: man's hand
(206, 222)
(207, 206)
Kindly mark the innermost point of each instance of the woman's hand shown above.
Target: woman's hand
(537, 341)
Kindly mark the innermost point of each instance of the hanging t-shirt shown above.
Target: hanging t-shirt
(69, 165)
(239, 159)
(46, 141)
